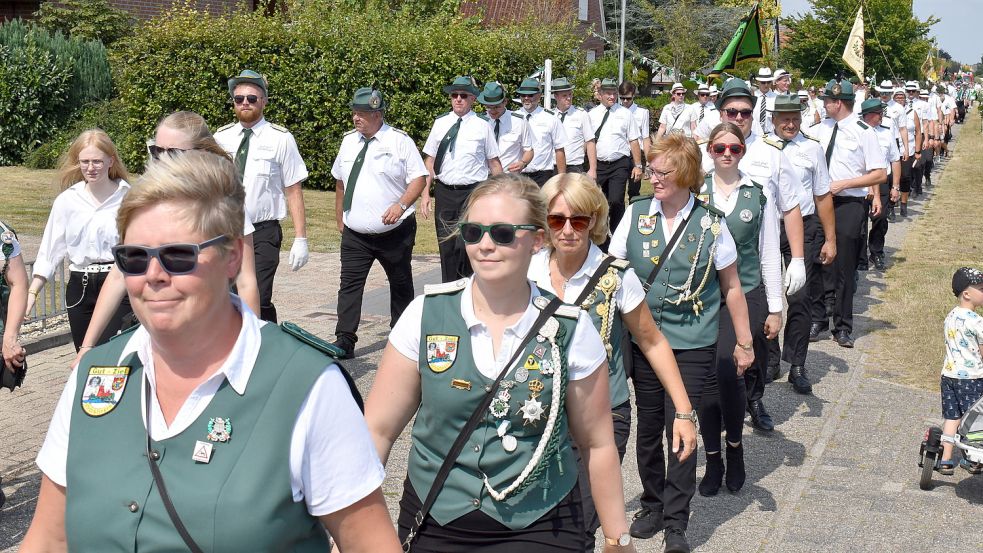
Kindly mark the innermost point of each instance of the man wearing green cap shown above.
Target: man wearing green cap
(461, 152)
(581, 150)
(811, 181)
(619, 152)
(887, 192)
(548, 136)
(856, 164)
(379, 175)
(271, 170)
(509, 128)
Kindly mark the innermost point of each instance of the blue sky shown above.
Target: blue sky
(957, 32)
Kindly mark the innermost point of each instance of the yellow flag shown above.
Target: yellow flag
(853, 54)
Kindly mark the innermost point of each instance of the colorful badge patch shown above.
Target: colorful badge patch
(441, 351)
(104, 387)
(646, 224)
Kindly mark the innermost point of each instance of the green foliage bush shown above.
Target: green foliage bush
(85, 20)
(105, 115)
(314, 63)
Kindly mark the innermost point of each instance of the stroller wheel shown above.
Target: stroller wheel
(928, 467)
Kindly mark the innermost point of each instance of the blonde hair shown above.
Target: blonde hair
(69, 172)
(521, 188)
(194, 127)
(583, 196)
(684, 155)
(206, 187)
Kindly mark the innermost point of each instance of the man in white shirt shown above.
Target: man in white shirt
(783, 81)
(271, 169)
(766, 100)
(626, 93)
(548, 136)
(619, 155)
(379, 175)
(581, 150)
(509, 128)
(461, 152)
(873, 113)
(703, 115)
(674, 115)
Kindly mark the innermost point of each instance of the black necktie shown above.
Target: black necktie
(353, 176)
(702, 108)
(597, 133)
(832, 141)
(446, 143)
(763, 113)
(563, 116)
(242, 153)
(498, 126)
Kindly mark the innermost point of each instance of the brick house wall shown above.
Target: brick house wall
(23, 9)
(588, 12)
(140, 9)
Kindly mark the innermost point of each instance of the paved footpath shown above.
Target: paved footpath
(838, 473)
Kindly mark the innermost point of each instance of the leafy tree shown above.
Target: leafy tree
(891, 31)
(85, 19)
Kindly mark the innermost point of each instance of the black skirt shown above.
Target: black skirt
(560, 529)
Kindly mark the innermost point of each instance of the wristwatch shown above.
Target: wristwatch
(400, 204)
(622, 541)
(746, 347)
(691, 416)
(638, 166)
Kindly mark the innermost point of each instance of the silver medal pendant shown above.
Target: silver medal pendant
(746, 215)
(705, 222)
(521, 375)
(509, 443)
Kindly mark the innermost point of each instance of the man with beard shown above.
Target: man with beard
(271, 170)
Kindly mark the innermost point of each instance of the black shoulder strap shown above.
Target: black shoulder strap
(595, 278)
(476, 417)
(666, 251)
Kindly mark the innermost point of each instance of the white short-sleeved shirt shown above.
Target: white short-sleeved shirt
(697, 114)
(391, 163)
(642, 120)
(79, 228)
(676, 117)
(467, 162)
(586, 352)
(617, 133)
(948, 104)
(810, 174)
(710, 120)
(548, 136)
(888, 144)
(513, 138)
(963, 342)
(273, 163)
(627, 297)
(726, 252)
(926, 111)
(333, 461)
(855, 153)
(911, 118)
(580, 131)
(813, 105)
(768, 166)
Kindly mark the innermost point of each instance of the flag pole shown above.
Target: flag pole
(621, 48)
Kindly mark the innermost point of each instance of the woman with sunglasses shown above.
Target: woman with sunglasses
(81, 227)
(683, 249)
(513, 487)
(755, 229)
(230, 431)
(673, 117)
(578, 222)
(177, 133)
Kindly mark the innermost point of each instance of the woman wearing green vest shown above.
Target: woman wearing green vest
(578, 221)
(238, 453)
(754, 225)
(13, 303)
(513, 487)
(682, 247)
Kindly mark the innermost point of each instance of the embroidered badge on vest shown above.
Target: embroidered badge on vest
(441, 351)
(219, 429)
(646, 224)
(103, 390)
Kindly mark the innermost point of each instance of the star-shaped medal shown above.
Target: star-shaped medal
(532, 410)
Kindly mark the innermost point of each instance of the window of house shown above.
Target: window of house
(583, 10)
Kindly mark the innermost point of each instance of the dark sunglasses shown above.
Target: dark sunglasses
(735, 149)
(251, 98)
(502, 234)
(679, 94)
(176, 259)
(745, 113)
(462, 95)
(156, 151)
(579, 223)
(703, 94)
(624, 98)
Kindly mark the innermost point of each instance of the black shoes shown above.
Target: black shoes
(904, 209)
(735, 468)
(815, 331)
(890, 215)
(774, 372)
(675, 541)
(800, 382)
(647, 523)
(844, 339)
(878, 261)
(347, 348)
(760, 418)
(714, 475)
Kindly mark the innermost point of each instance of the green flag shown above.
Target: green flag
(745, 45)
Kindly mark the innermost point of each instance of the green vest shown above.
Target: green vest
(239, 501)
(451, 388)
(744, 224)
(599, 305)
(693, 322)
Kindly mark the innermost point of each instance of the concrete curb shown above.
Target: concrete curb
(48, 341)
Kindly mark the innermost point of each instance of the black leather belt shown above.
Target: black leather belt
(457, 186)
(263, 224)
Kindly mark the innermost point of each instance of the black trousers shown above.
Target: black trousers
(879, 224)
(454, 263)
(918, 174)
(862, 258)
(799, 316)
(540, 177)
(612, 177)
(393, 250)
(726, 393)
(577, 167)
(621, 417)
(849, 222)
(634, 187)
(907, 174)
(267, 239)
(81, 294)
(667, 485)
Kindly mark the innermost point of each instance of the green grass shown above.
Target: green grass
(918, 295)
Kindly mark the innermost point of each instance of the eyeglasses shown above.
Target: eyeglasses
(176, 259)
(251, 98)
(661, 175)
(703, 94)
(578, 223)
(502, 234)
(735, 149)
(460, 95)
(733, 113)
(94, 163)
(627, 98)
(679, 94)
(156, 152)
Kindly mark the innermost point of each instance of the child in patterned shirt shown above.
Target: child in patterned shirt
(962, 371)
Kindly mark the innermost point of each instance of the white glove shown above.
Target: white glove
(795, 276)
(298, 254)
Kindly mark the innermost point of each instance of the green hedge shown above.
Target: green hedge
(314, 62)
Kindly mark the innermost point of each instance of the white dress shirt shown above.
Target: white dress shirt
(614, 141)
(888, 144)
(580, 131)
(467, 162)
(855, 153)
(513, 138)
(766, 102)
(810, 175)
(676, 122)
(627, 297)
(548, 136)
(642, 119)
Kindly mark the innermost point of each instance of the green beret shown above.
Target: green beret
(368, 99)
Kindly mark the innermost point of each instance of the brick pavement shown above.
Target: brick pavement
(838, 474)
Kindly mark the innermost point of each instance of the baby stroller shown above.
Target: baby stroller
(968, 438)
